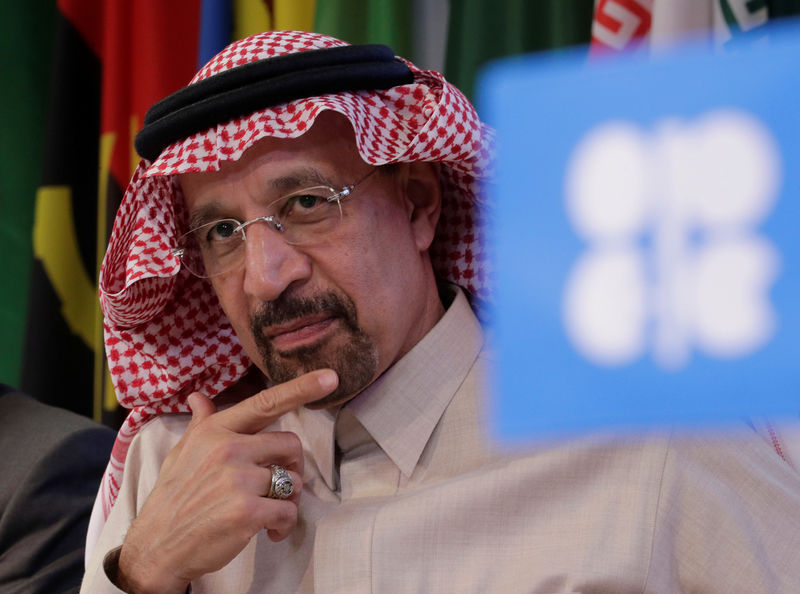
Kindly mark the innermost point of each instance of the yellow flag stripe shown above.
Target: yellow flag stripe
(252, 16)
(55, 244)
(294, 15)
(104, 399)
(249, 17)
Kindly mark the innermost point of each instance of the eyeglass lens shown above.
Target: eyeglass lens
(301, 217)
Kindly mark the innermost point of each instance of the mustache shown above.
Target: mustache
(287, 308)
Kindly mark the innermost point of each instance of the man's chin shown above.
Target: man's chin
(284, 365)
(353, 357)
(335, 398)
(335, 341)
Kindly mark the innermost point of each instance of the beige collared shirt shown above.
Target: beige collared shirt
(404, 493)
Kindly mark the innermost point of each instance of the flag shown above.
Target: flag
(291, 15)
(26, 45)
(622, 24)
(368, 21)
(655, 24)
(481, 30)
(112, 60)
(223, 21)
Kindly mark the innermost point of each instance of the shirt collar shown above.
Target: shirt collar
(403, 406)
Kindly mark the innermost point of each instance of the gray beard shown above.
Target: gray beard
(356, 361)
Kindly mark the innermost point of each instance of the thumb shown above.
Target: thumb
(202, 407)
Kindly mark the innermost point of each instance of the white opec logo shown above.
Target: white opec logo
(674, 260)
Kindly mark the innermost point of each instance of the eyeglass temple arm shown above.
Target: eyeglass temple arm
(345, 192)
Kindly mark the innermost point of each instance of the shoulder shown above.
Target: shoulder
(726, 500)
(736, 459)
(36, 436)
(51, 468)
(23, 417)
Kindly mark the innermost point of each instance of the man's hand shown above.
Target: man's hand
(209, 499)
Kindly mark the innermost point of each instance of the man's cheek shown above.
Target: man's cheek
(245, 335)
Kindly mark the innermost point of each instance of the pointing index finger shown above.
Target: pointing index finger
(263, 408)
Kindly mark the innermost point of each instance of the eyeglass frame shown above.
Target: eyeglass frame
(272, 221)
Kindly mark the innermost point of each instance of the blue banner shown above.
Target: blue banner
(644, 238)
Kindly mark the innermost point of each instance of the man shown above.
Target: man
(49, 473)
(365, 467)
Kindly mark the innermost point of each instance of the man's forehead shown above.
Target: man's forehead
(262, 178)
(329, 144)
(276, 180)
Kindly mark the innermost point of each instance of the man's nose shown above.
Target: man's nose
(270, 264)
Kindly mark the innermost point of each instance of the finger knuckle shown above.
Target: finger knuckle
(290, 442)
(285, 515)
(224, 450)
(237, 479)
(241, 509)
(284, 439)
(267, 402)
(295, 389)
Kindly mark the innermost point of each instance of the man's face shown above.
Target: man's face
(355, 300)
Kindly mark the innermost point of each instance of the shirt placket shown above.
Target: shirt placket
(344, 539)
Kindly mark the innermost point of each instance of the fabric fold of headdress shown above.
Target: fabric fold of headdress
(266, 83)
(165, 332)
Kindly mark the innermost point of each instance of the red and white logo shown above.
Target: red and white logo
(620, 24)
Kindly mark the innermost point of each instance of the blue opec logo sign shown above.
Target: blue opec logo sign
(645, 239)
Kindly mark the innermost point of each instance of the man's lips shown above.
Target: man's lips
(299, 332)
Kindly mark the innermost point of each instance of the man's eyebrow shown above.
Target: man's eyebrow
(204, 214)
(299, 178)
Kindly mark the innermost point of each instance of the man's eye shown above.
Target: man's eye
(306, 201)
(303, 207)
(221, 230)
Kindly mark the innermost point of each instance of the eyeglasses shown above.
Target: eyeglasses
(302, 217)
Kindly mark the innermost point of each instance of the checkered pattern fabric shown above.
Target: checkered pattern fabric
(165, 333)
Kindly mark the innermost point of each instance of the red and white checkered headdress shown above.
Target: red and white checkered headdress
(165, 333)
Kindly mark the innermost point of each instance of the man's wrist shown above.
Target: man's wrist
(111, 567)
(121, 578)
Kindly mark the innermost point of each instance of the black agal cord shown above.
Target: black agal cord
(248, 88)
